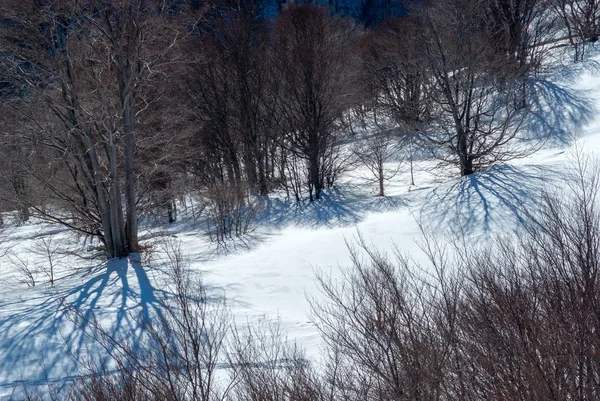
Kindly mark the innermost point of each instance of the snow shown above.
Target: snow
(271, 272)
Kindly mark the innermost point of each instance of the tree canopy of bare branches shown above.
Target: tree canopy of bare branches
(316, 70)
(92, 63)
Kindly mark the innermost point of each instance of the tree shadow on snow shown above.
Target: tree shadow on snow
(41, 341)
(497, 200)
(557, 112)
(337, 207)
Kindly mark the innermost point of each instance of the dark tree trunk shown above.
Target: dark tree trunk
(262, 179)
(380, 173)
(466, 165)
(130, 184)
(314, 174)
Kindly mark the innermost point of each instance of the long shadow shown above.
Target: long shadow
(337, 207)
(37, 339)
(498, 199)
(557, 112)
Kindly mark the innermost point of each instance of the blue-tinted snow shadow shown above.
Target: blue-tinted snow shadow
(43, 341)
(338, 206)
(497, 200)
(557, 111)
(557, 114)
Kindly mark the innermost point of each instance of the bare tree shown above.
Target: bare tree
(395, 69)
(398, 83)
(475, 117)
(18, 156)
(580, 19)
(226, 87)
(317, 73)
(95, 71)
(517, 29)
(374, 151)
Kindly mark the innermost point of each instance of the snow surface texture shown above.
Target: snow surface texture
(270, 272)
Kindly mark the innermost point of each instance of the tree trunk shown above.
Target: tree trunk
(380, 174)
(464, 159)
(132, 223)
(250, 166)
(116, 208)
(412, 173)
(314, 176)
(106, 225)
(262, 179)
(171, 211)
(89, 168)
(466, 165)
(20, 187)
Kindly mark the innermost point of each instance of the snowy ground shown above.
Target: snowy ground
(272, 271)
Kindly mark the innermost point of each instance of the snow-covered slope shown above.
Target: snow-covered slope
(271, 272)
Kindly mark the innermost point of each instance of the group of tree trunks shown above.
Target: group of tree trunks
(113, 108)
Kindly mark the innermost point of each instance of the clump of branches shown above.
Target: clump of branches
(267, 366)
(374, 151)
(512, 320)
(30, 270)
(580, 20)
(27, 273)
(230, 211)
(51, 252)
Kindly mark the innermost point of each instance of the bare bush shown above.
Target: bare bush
(230, 211)
(49, 249)
(535, 308)
(380, 324)
(267, 366)
(516, 319)
(374, 151)
(27, 273)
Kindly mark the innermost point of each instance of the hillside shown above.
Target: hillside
(270, 272)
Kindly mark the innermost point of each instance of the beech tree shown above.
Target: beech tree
(475, 119)
(17, 157)
(226, 91)
(516, 29)
(95, 59)
(317, 72)
(396, 74)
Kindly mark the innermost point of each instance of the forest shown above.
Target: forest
(115, 113)
(112, 110)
